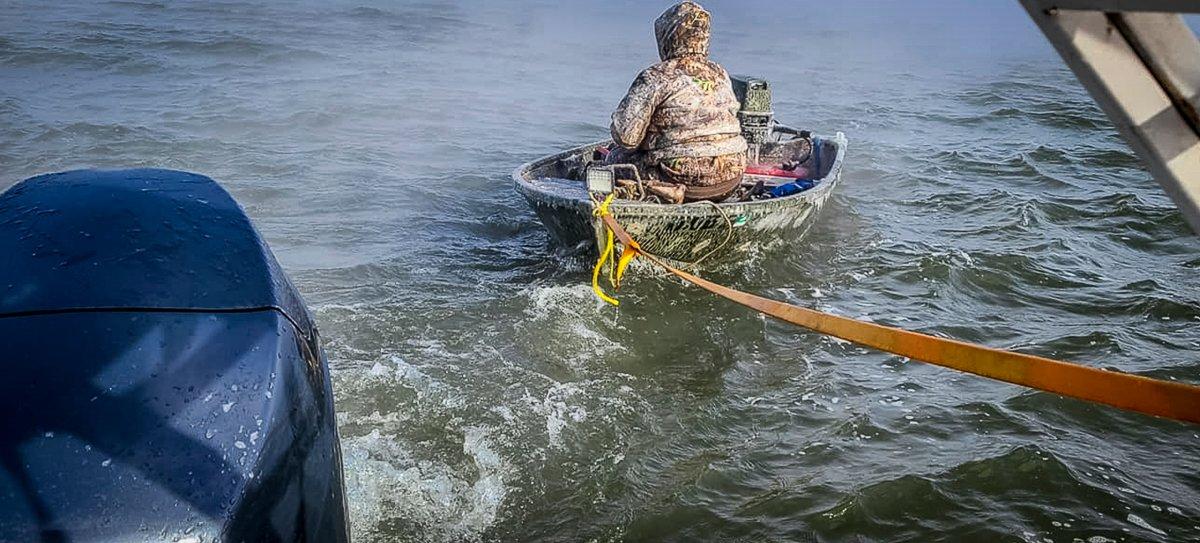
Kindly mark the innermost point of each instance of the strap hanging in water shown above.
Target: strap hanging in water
(1123, 390)
(600, 210)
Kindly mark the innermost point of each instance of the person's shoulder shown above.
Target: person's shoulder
(653, 75)
(657, 69)
(717, 69)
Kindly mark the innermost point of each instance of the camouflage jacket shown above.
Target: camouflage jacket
(683, 106)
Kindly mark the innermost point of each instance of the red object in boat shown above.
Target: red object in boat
(772, 171)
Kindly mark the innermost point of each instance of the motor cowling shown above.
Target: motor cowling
(162, 376)
(756, 114)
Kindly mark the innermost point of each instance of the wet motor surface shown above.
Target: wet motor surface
(484, 394)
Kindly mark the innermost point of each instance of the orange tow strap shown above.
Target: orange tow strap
(1127, 391)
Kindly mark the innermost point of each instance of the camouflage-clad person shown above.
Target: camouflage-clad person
(678, 123)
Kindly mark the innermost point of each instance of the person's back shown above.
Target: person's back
(678, 122)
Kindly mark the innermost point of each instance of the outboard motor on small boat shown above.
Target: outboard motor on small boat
(162, 378)
(756, 114)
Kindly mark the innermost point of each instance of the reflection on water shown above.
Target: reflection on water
(484, 394)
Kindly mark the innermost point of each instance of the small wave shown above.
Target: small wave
(14, 55)
(419, 22)
(138, 5)
(97, 131)
(366, 12)
(861, 427)
(1077, 346)
(1004, 163)
(952, 499)
(1044, 154)
(1108, 158)
(228, 45)
(1056, 116)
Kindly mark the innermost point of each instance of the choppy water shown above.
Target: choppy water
(485, 395)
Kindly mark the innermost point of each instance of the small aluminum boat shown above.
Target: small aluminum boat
(692, 232)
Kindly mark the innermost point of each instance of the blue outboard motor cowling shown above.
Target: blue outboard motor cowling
(162, 379)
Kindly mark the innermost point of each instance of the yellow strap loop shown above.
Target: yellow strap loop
(1145, 395)
(601, 211)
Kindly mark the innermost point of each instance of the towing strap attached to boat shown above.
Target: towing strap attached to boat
(600, 209)
(1156, 397)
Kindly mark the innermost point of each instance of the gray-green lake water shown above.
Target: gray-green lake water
(485, 395)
